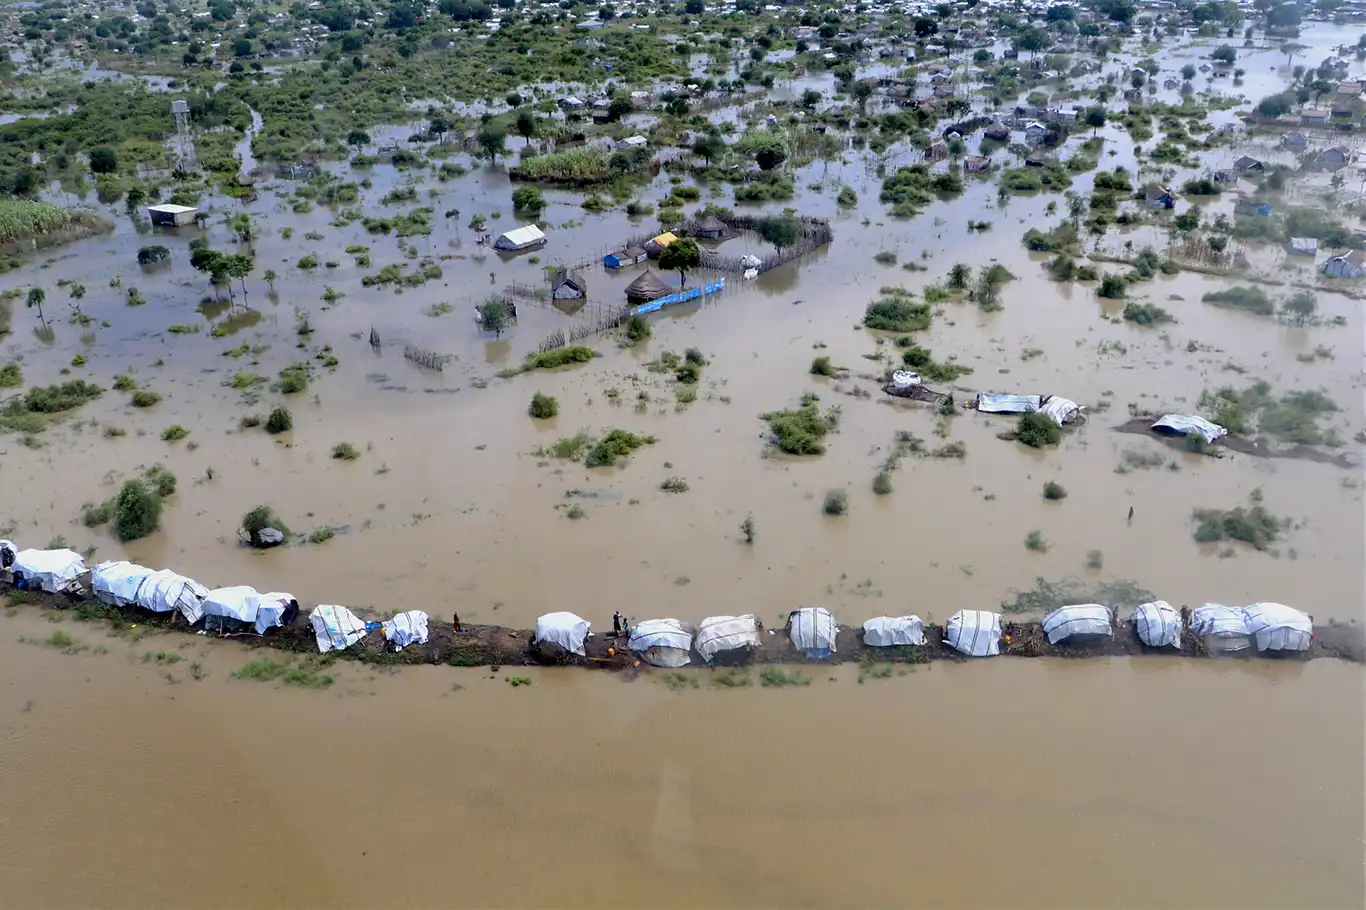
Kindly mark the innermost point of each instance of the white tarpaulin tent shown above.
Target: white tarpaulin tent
(988, 403)
(1081, 619)
(1223, 628)
(662, 642)
(567, 630)
(164, 591)
(725, 633)
(1157, 624)
(1060, 410)
(335, 627)
(1277, 627)
(273, 609)
(976, 633)
(813, 631)
(408, 628)
(1187, 425)
(117, 583)
(891, 631)
(522, 238)
(239, 602)
(50, 570)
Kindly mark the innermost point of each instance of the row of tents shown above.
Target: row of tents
(977, 633)
(812, 631)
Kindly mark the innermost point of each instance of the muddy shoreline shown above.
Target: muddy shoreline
(499, 646)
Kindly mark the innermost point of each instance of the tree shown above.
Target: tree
(1188, 72)
(1275, 105)
(680, 256)
(438, 126)
(241, 225)
(709, 147)
(1286, 15)
(526, 125)
(35, 298)
(103, 160)
(957, 107)
(924, 27)
(1187, 221)
(1032, 40)
(270, 276)
(494, 316)
(1224, 54)
(514, 99)
(137, 511)
(1095, 118)
(693, 7)
(781, 232)
(1300, 307)
(862, 92)
(241, 47)
(767, 148)
(1321, 87)
(358, 139)
(491, 140)
(239, 266)
(1076, 206)
(1137, 78)
(1291, 49)
(619, 108)
(528, 199)
(810, 98)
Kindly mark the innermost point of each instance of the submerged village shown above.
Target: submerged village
(655, 335)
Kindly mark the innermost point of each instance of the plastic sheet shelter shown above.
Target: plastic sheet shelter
(117, 583)
(165, 591)
(1223, 628)
(976, 633)
(565, 630)
(335, 627)
(1060, 410)
(1089, 620)
(1157, 624)
(662, 642)
(1276, 627)
(1189, 425)
(988, 403)
(813, 631)
(50, 570)
(726, 633)
(407, 628)
(276, 609)
(239, 602)
(893, 631)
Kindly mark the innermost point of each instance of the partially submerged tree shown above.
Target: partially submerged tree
(491, 140)
(680, 256)
(1301, 307)
(494, 316)
(781, 232)
(35, 298)
(526, 124)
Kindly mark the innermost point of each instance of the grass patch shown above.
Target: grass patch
(611, 449)
(674, 485)
(161, 658)
(800, 431)
(569, 448)
(1146, 314)
(1047, 596)
(732, 678)
(1251, 524)
(679, 681)
(65, 396)
(544, 406)
(1294, 417)
(174, 432)
(1248, 299)
(11, 377)
(882, 483)
(1035, 541)
(558, 357)
(773, 677)
(517, 681)
(144, 398)
(293, 379)
(922, 361)
(464, 657)
(344, 451)
(260, 670)
(895, 311)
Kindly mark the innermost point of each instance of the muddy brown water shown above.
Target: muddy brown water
(1120, 782)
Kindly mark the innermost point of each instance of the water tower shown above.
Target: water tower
(180, 110)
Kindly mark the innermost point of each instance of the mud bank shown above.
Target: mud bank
(498, 646)
(1260, 447)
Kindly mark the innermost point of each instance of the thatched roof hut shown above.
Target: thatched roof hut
(710, 228)
(647, 287)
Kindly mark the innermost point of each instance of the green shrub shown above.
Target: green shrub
(1249, 299)
(688, 373)
(836, 502)
(543, 406)
(124, 383)
(798, 431)
(1254, 525)
(616, 445)
(279, 421)
(257, 520)
(558, 357)
(144, 398)
(822, 366)
(65, 396)
(637, 328)
(695, 357)
(1035, 541)
(921, 361)
(174, 432)
(1113, 287)
(1038, 430)
(161, 480)
(137, 511)
(1146, 314)
(1055, 491)
(293, 379)
(886, 257)
(10, 376)
(344, 451)
(897, 312)
(882, 483)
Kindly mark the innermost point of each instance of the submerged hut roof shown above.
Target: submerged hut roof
(648, 286)
(710, 224)
(570, 277)
(633, 252)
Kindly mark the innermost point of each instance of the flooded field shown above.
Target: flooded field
(452, 788)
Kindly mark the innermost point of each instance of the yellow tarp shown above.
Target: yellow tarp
(665, 239)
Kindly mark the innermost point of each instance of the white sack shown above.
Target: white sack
(335, 627)
(406, 629)
(1157, 624)
(1082, 619)
(725, 633)
(271, 611)
(976, 633)
(165, 591)
(565, 629)
(891, 631)
(51, 570)
(662, 642)
(1277, 627)
(117, 583)
(813, 631)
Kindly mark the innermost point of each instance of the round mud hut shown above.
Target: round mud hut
(648, 286)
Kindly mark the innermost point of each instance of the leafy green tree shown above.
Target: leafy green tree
(680, 256)
(103, 160)
(709, 147)
(358, 139)
(35, 299)
(528, 199)
(491, 140)
(781, 232)
(137, 511)
(239, 266)
(494, 316)
(620, 107)
(1188, 72)
(526, 124)
(1095, 118)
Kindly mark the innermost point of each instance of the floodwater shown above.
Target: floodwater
(1119, 782)
(1153, 783)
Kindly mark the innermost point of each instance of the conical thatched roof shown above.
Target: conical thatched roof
(710, 224)
(648, 286)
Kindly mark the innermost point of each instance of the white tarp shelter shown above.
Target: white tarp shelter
(50, 570)
(725, 633)
(522, 238)
(117, 583)
(276, 609)
(892, 631)
(335, 627)
(1060, 410)
(408, 628)
(164, 591)
(976, 633)
(1223, 628)
(1277, 627)
(1081, 619)
(813, 631)
(1157, 624)
(988, 403)
(1189, 425)
(567, 630)
(239, 602)
(662, 642)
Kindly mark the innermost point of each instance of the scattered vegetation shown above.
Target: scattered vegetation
(279, 421)
(613, 448)
(543, 406)
(799, 431)
(1248, 299)
(1038, 430)
(1251, 524)
(344, 451)
(1146, 314)
(895, 311)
